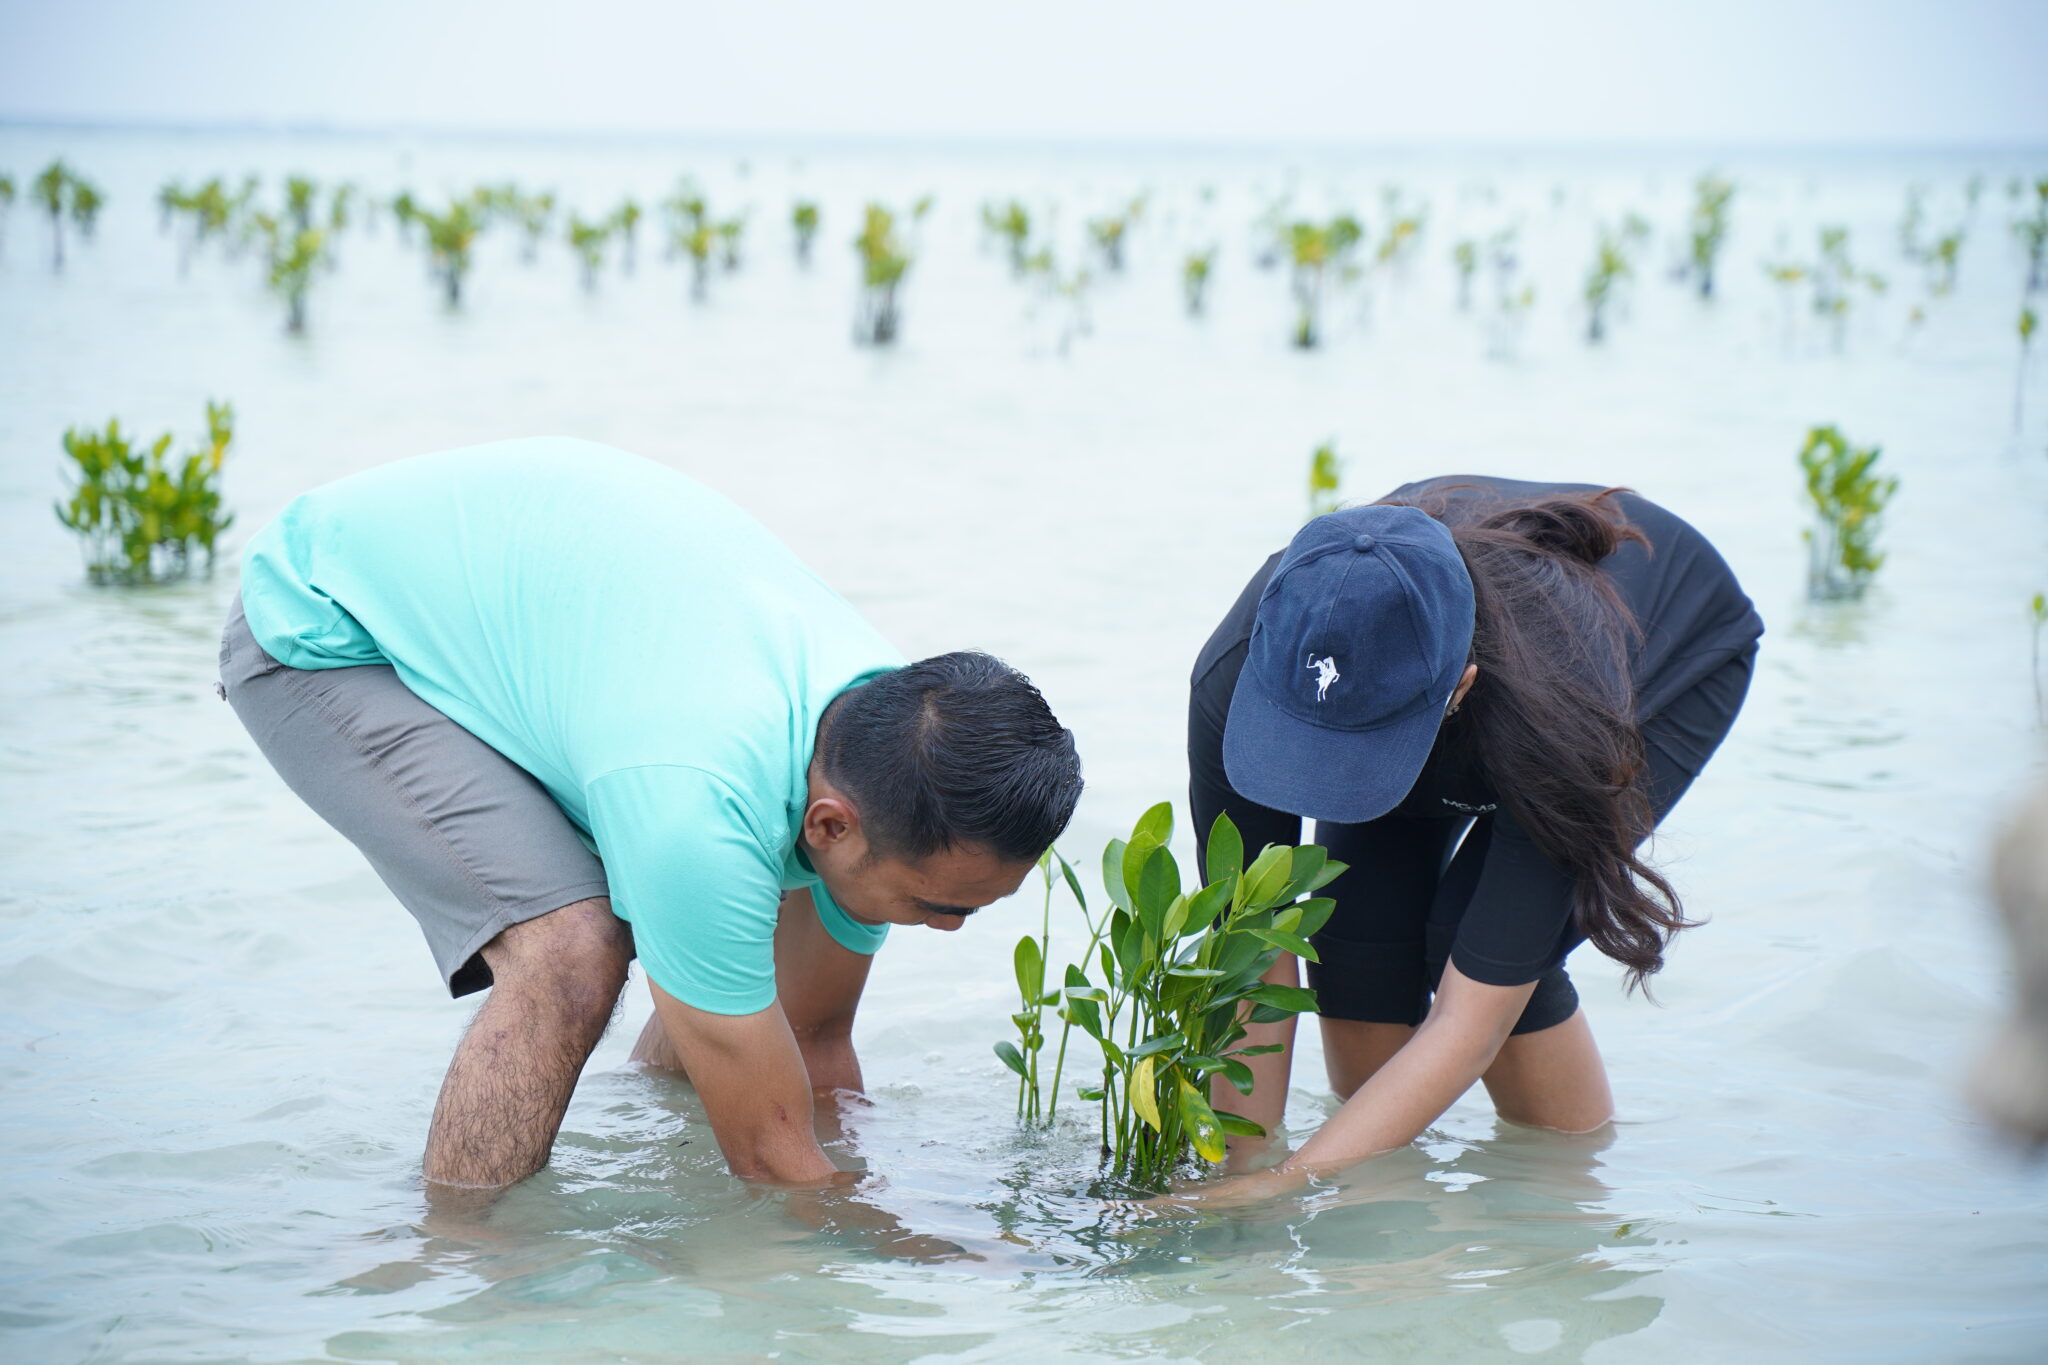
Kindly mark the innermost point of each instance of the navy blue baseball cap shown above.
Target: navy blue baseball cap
(1362, 634)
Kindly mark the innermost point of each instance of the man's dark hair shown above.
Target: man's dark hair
(959, 749)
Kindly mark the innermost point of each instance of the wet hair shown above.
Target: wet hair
(959, 750)
(1551, 716)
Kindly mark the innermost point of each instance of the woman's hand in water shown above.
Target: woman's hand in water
(1231, 1192)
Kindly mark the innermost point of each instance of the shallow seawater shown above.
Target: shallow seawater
(220, 1039)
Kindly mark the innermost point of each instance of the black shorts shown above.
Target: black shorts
(1382, 967)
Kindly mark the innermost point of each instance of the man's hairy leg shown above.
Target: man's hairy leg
(557, 981)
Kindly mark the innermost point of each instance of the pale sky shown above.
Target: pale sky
(1733, 72)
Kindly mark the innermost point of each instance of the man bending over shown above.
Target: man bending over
(572, 706)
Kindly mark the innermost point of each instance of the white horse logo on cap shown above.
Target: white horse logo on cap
(1326, 673)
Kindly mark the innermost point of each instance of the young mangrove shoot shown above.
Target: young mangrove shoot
(140, 519)
(1167, 982)
(1849, 501)
(803, 221)
(883, 262)
(293, 265)
(1194, 279)
(1610, 267)
(2028, 322)
(1711, 196)
(1325, 475)
(588, 241)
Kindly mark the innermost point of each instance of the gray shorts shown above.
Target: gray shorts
(467, 840)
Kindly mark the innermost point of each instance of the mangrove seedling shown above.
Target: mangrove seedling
(405, 211)
(1170, 978)
(2019, 390)
(1325, 475)
(1312, 248)
(1849, 501)
(299, 193)
(451, 236)
(1034, 1102)
(2032, 232)
(1108, 235)
(1465, 255)
(1012, 224)
(292, 267)
(139, 519)
(1911, 223)
(338, 206)
(729, 232)
(1610, 267)
(1711, 195)
(1194, 279)
(52, 191)
(1786, 277)
(2037, 612)
(1942, 259)
(588, 241)
(697, 241)
(803, 221)
(533, 212)
(883, 262)
(625, 220)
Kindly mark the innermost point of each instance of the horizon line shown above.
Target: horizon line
(1215, 142)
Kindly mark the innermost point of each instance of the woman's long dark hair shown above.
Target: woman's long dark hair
(1551, 716)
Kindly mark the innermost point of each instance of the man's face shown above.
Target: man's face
(939, 891)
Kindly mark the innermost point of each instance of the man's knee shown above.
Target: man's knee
(577, 954)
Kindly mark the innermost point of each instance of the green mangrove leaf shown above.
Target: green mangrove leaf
(1092, 1093)
(1204, 1130)
(1314, 915)
(1304, 867)
(1226, 848)
(1136, 854)
(1152, 1047)
(1239, 1075)
(1205, 904)
(1293, 999)
(1201, 1065)
(1330, 872)
(1155, 826)
(1142, 1097)
(1196, 973)
(1112, 1054)
(1237, 954)
(1237, 1125)
(1073, 882)
(1291, 942)
(1095, 993)
(1260, 1050)
(1157, 887)
(1024, 1020)
(1011, 1057)
(1130, 950)
(1030, 963)
(1267, 877)
(1113, 874)
(1176, 918)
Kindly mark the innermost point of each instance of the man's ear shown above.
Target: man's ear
(830, 821)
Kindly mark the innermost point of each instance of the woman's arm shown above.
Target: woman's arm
(1465, 1029)
(1458, 1040)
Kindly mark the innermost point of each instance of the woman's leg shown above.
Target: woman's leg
(1552, 1078)
(1550, 1074)
(1372, 985)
